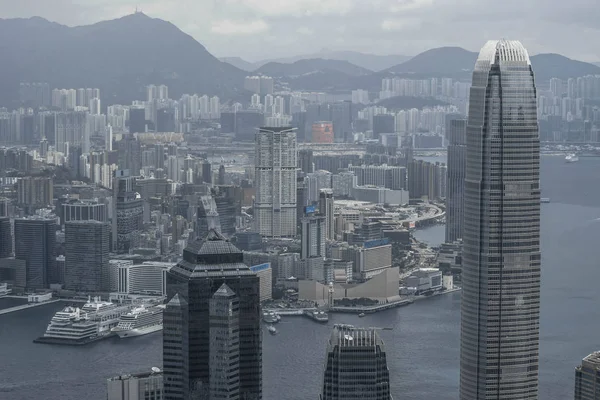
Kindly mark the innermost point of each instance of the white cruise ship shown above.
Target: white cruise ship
(92, 322)
(140, 321)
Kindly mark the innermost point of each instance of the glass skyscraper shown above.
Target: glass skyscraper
(356, 365)
(190, 322)
(501, 234)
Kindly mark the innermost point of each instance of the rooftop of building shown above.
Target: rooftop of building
(212, 256)
(592, 360)
(155, 371)
(351, 336)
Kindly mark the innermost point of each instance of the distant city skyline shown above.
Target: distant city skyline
(262, 29)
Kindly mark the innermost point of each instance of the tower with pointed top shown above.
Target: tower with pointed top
(205, 285)
(224, 345)
(500, 306)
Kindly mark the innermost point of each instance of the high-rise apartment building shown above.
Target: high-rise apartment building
(356, 365)
(35, 240)
(457, 159)
(35, 192)
(190, 328)
(275, 174)
(128, 213)
(326, 209)
(313, 236)
(70, 129)
(587, 378)
(87, 247)
(500, 307)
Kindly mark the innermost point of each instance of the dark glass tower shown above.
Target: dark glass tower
(356, 366)
(457, 159)
(87, 247)
(207, 265)
(224, 345)
(35, 240)
(501, 237)
(587, 378)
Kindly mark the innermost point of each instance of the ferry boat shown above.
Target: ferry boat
(270, 317)
(140, 321)
(317, 315)
(571, 158)
(272, 330)
(362, 314)
(94, 321)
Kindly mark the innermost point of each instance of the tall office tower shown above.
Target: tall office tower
(587, 378)
(275, 174)
(501, 233)
(5, 237)
(87, 246)
(356, 365)
(457, 159)
(322, 132)
(327, 210)
(128, 213)
(306, 161)
(221, 180)
(384, 123)
(137, 119)
(207, 216)
(35, 240)
(206, 172)
(191, 284)
(130, 154)
(4, 207)
(224, 348)
(313, 236)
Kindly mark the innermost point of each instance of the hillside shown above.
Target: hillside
(371, 62)
(119, 56)
(240, 63)
(303, 67)
(458, 62)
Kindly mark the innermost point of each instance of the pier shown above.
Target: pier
(26, 306)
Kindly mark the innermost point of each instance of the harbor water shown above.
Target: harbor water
(423, 347)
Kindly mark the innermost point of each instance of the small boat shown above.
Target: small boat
(362, 314)
(545, 200)
(270, 317)
(272, 330)
(278, 317)
(571, 158)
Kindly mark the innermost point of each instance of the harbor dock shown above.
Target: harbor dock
(26, 306)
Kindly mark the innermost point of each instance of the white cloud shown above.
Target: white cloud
(409, 5)
(229, 27)
(294, 8)
(304, 30)
(400, 24)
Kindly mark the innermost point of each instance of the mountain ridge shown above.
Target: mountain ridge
(97, 56)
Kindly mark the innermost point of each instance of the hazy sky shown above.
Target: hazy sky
(257, 29)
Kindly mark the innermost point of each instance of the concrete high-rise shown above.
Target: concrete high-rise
(499, 355)
(128, 213)
(587, 378)
(87, 247)
(326, 209)
(457, 160)
(313, 236)
(275, 165)
(35, 240)
(356, 365)
(189, 323)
